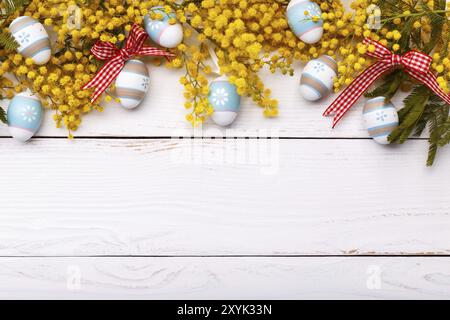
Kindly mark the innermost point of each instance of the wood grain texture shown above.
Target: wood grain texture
(162, 114)
(224, 278)
(221, 197)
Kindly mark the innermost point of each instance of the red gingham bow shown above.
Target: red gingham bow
(416, 64)
(116, 58)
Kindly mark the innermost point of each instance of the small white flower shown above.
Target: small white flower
(24, 38)
(220, 97)
(145, 83)
(29, 114)
(313, 10)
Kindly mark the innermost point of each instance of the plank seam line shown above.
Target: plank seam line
(235, 256)
(198, 138)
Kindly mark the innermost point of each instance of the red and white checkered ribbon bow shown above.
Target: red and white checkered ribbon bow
(416, 64)
(116, 58)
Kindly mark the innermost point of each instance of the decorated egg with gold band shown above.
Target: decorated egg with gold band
(132, 84)
(317, 78)
(32, 38)
(381, 119)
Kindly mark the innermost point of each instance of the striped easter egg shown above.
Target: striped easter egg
(380, 118)
(161, 31)
(317, 78)
(24, 116)
(302, 24)
(225, 100)
(32, 38)
(132, 84)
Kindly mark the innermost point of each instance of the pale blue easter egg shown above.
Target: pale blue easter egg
(302, 25)
(161, 31)
(32, 38)
(380, 118)
(24, 116)
(317, 79)
(225, 100)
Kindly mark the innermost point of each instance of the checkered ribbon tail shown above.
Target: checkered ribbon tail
(416, 64)
(115, 59)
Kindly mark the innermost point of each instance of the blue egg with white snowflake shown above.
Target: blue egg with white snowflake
(132, 84)
(225, 100)
(24, 116)
(317, 79)
(305, 19)
(380, 119)
(32, 38)
(162, 31)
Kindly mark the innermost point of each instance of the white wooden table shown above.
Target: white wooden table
(129, 210)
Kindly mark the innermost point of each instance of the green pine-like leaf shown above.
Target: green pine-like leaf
(433, 147)
(8, 8)
(444, 138)
(2, 115)
(12, 6)
(437, 23)
(8, 42)
(414, 107)
(389, 87)
(437, 119)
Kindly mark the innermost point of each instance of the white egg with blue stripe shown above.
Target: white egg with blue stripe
(161, 31)
(380, 119)
(303, 25)
(32, 38)
(132, 84)
(225, 100)
(317, 79)
(24, 116)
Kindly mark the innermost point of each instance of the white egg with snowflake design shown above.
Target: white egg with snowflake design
(225, 100)
(317, 78)
(380, 118)
(24, 116)
(32, 38)
(132, 84)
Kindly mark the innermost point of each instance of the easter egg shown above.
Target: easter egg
(225, 100)
(317, 78)
(161, 31)
(132, 84)
(300, 14)
(24, 116)
(32, 38)
(380, 118)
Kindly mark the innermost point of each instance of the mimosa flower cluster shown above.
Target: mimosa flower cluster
(242, 36)
(245, 36)
(401, 26)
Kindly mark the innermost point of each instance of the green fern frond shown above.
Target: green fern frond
(12, 6)
(390, 86)
(8, 42)
(2, 115)
(410, 115)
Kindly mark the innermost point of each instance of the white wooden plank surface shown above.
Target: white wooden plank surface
(146, 197)
(64, 204)
(162, 114)
(225, 278)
